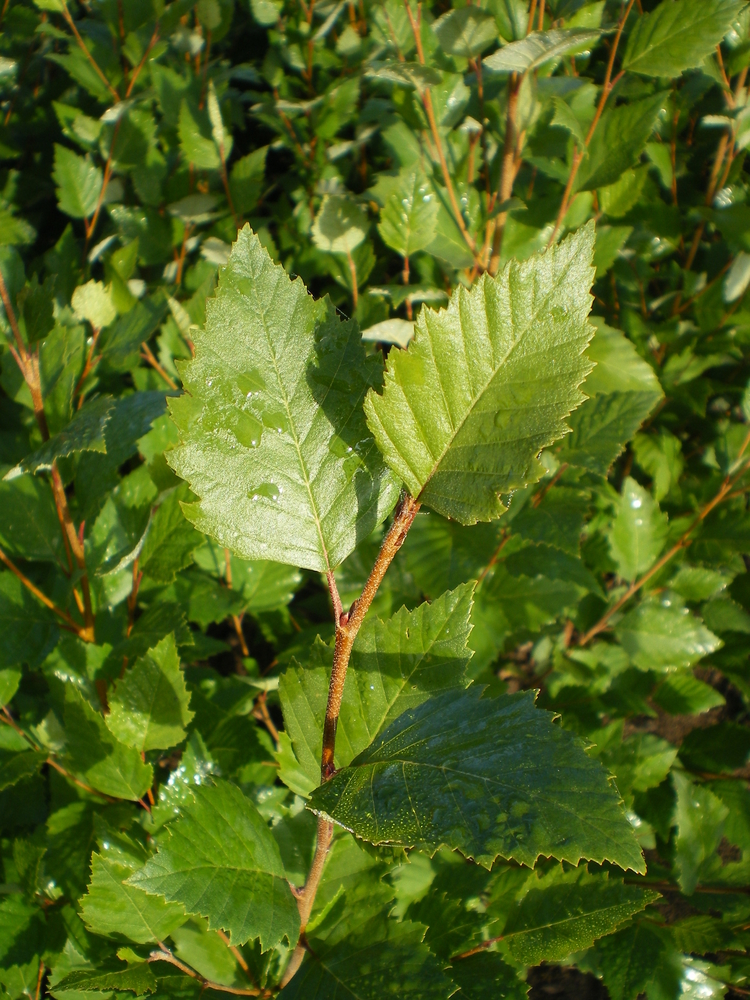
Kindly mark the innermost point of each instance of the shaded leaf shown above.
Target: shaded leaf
(485, 776)
(638, 532)
(85, 432)
(538, 48)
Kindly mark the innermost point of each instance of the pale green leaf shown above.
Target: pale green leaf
(196, 142)
(391, 331)
(487, 776)
(93, 302)
(488, 382)
(678, 36)
(99, 758)
(638, 531)
(660, 634)
(149, 705)
(79, 183)
(660, 455)
(340, 225)
(407, 221)
(85, 432)
(220, 861)
(394, 666)
(465, 31)
(565, 118)
(566, 911)
(538, 48)
(274, 440)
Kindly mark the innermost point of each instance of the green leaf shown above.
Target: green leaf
(93, 302)
(407, 221)
(79, 183)
(538, 48)
(675, 37)
(465, 31)
(660, 634)
(340, 225)
(640, 959)
(394, 666)
(622, 390)
(114, 908)
(618, 141)
(700, 816)
(557, 519)
(274, 441)
(246, 178)
(487, 383)
(487, 975)
(220, 861)
(683, 694)
(28, 629)
(9, 681)
(85, 432)
(149, 706)
(196, 141)
(566, 911)
(171, 539)
(661, 457)
(639, 531)
(19, 767)
(564, 118)
(29, 527)
(94, 753)
(138, 979)
(487, 776)
(370, 961)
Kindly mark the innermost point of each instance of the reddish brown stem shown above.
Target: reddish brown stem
(508, 174)
(32, 588)
(94, 64)
(147, 355)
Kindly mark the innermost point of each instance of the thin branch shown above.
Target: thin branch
(148, 355)
(607, 88)
(163, 954)
(335, 599)
(346, 632)
(507, 176)
(682, 543)
(430, 112)
(94, 64)
(265, 716)
(77, 781)
(63, 615)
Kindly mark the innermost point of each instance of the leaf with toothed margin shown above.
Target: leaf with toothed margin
(490, 777)
(220, 861)
(273, 438)
(488, 382)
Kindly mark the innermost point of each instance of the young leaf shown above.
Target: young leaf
(94, 753)
(662, 635)
(149, 706)
(79, 183)
(407, 222)
(394, 666)
(340, 225)
(112, 907)
(566, 911)
(488, 382)
(220, 861)
(678, 36)
(274, 440)
(487, 776)
(638, 531)
(538, 48)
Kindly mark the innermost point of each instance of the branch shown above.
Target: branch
(607, 88)
(95, 65)
(682, 543)
(508, 174)
(347, 627)
(63, 615)
(430, 112)
(148, 355)
(163, 954)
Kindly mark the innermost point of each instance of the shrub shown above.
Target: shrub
(373, 516)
